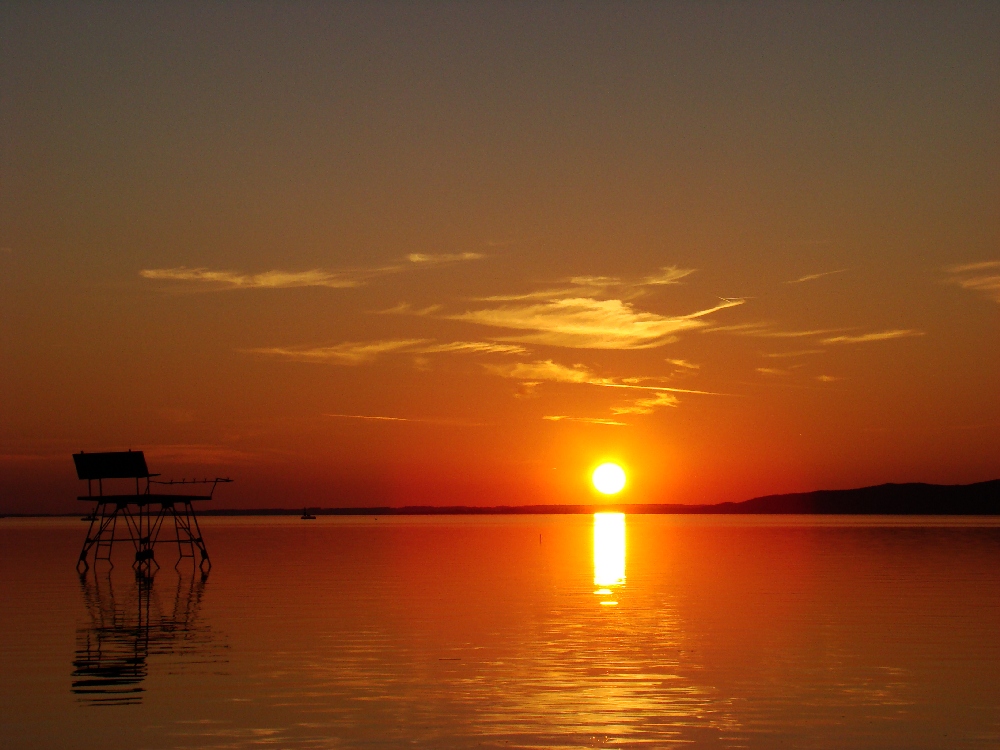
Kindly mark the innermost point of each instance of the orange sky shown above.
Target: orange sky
(460, 254)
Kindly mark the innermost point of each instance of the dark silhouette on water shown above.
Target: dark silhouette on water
(307, 516)
(129, 627)
(914, 499)
(143, 523)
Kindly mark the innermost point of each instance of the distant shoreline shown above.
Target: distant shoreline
(913, 499)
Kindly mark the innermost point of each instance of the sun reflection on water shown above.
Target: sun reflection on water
(609, 553)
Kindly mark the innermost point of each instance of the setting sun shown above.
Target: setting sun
(609, 479)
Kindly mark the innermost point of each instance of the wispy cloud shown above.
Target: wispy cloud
(814, 276)
(367, 416)
(877, 336)
(797, 334)
(419, 420)
(764, 330)
(265, 280)
(355, 353)
(981, 266)
(586, 323)
(316, 277)
(547, 370)
(647, 404)
(438, 258)
(666, 275)
(405, 308)
(626, 384)
(599, 286)
(981, 277)
(796, 353)
(684, 364)
(481, 347)
(767, 331)
(586, 420)
(534, 373)
(347, 353)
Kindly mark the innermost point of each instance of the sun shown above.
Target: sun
(609, 479)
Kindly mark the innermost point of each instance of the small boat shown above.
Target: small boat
(307, 516)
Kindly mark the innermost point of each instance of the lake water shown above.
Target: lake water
(520, 631)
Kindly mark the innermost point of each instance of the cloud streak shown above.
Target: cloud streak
(265, 280)
(647, 405)
(547, 370)
(684, 364)
(814, 276)
(979, 277)
(439, 258)
(585, 420)
(796, 353)
(864, 338)
(534, 373)
(599, 286)
(315, 277)
(356, 353)
(586, 323)
(766, 331)
(418, 420)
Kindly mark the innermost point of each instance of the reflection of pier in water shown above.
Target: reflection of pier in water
(129, 627)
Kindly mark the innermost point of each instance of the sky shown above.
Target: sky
(461, 253)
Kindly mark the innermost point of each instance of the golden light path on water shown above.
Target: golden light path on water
(609, 554)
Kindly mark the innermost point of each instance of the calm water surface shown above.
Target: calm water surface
(529, 631)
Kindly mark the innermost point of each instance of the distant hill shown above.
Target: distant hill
(912, 499)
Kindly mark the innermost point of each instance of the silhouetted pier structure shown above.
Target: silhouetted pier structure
(143, 513)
